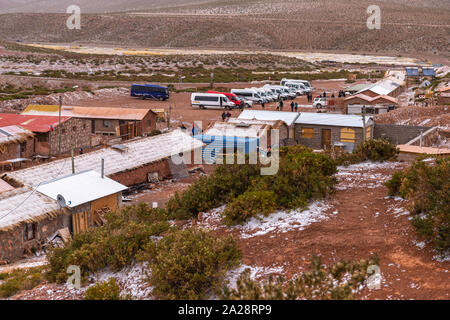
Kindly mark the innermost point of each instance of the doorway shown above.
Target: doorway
(326, 139)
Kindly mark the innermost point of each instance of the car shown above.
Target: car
(320, 102)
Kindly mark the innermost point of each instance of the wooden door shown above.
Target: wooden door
(326, 138)
(80, 222)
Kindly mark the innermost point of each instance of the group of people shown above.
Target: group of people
(226, 115)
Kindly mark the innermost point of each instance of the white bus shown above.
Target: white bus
(211, 101)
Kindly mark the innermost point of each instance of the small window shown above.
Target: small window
(348, 135)
(307, 133)
(148, 123)
(74, 128)
(107, 123)
(29, 231)
(23, 147)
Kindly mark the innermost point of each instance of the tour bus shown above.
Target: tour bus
(248, 94)
(149, 91)
(235, 99)
(211, 101)
(307, 84)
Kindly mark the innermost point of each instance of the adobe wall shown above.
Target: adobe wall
(397, 134)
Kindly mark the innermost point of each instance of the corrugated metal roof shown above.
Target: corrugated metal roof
(81, 188)
(13, 133)
(422, 150)
(372, 99)
(31, 122)
(89, 112)
(384, 87)
(139, 152)
(328, 119)
(287, 117)
(235, 130)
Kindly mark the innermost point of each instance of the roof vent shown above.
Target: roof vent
(119, 147)
(242, 125)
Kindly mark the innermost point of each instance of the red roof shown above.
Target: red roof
(30, 122)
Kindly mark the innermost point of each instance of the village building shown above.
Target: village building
(288, 118)
(31, 210)
(126, 123)
(15, 143)
(68, 205)
(53, 135)
(372, 105)
(323, 130)
(245, 136)
(387, 87)
(444, 96)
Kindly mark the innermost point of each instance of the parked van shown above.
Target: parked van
(320, 102)
(235, 99)
(284, 92)
(307, 84)
(211, 101)
(248, 94)
(299, 88)
(263, 94)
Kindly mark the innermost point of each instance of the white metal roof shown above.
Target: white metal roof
(81, 188)
(235, 130)
(139, 152)
(287, 117)
(384, 87)
(328, 119)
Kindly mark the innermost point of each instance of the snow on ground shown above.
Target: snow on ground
(364, 175)
(256, 273)
(25, 264)
(284, 221)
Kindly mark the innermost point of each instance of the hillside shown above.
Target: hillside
(407, 27)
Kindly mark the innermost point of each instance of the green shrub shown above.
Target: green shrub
(428, 189)
(187, 264)
(21, 279)
(377, 150)
(302, 176)
(106, 290)
(112, 245)
(154, 132)
(335, 282)
(249, 204)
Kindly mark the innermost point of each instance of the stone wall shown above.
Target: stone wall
(78, 129)
(398, 134)
(10, 150)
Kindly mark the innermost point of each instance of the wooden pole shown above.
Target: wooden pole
(59, 125)
(72, 156)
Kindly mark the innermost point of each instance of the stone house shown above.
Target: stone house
(15, 142)
(322, 130)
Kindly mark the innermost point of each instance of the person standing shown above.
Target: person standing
(292, 106)
(224, 115)
(296, 107)
(281, 104)
(228, 115)
(262, 104)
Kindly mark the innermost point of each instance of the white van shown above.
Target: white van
(263, 94)
(211, 101)
(299, 88)
(307, 84)
(248, 94)
(283, 91)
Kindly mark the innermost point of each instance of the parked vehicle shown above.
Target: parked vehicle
(263, 94)
(211, 101)
(150, 91)
(282, 91)
(299, 88)
(307, 84)
(235, 99)
(320, 102)
(248, 94)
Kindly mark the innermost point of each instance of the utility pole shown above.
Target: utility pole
(59, 126)
(364, 122)
(71, 153)
(168, 117)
